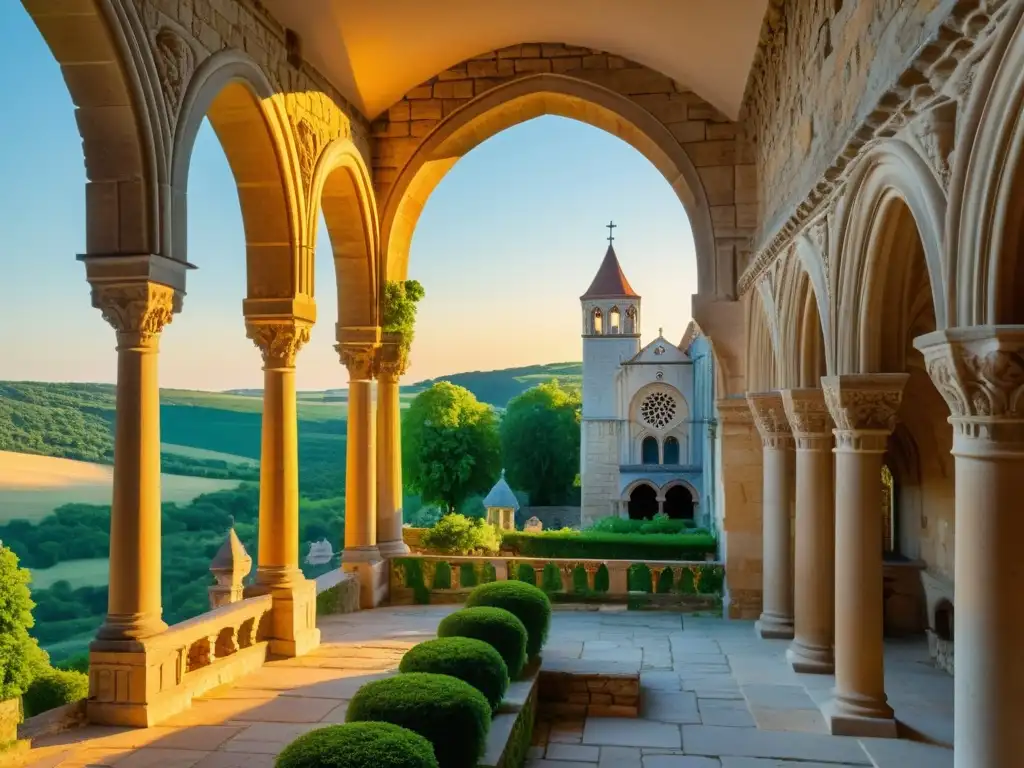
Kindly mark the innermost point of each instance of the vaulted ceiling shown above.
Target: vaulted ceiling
(374, 51)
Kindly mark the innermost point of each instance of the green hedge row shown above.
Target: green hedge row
(599, 545)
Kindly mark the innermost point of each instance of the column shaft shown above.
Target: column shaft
(360, 474)
(391, 361)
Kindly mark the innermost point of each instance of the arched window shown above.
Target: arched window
(629, 326)
(614, 325)
(889, 543)
(597, 323)
(671, 451)
(649, 451)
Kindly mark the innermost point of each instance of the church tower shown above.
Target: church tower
(611, 335)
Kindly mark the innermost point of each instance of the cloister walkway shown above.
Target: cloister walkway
(714, 696)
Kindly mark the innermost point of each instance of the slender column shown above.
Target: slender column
(138, 311)
(777, 613)
(279, 340)
(814, 562)
(980, 373)
(864, 410)
(391, 363)
(360, 474)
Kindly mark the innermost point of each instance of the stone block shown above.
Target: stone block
(399, 111)
(532, 65)
(567, 64)
(428, 109)
(718, 183)
(597, 61)
(704, 153)
(688, 131)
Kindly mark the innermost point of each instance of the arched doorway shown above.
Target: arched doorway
(643, 502)
(678, 503)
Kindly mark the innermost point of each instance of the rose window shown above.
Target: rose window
(658, 409)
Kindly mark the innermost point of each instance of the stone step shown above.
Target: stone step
(578, 688)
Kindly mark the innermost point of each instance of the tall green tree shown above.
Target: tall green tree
(540, 442)
(450, 445)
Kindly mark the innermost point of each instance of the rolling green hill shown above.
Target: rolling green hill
(498, 387)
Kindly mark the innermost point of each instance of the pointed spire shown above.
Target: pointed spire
(610, 282)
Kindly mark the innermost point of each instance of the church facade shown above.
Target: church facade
(647, 426)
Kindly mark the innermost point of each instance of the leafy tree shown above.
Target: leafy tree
(19, 653)
(450, 445)
(399, 309)
(540, 442)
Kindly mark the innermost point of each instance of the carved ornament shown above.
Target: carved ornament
(934, 132)
(175, 63)
(137, 311)
(864, 408)
(809, 417)
(769, 413)
(309, 144)
(390, 362)
(358, 359)
(279, 340)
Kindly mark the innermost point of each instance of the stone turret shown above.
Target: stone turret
(230, 566)
(501, 504)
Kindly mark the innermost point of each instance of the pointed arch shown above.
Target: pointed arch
(761, 355)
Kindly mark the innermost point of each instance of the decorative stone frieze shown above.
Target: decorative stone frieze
(864, 407)
(278, 339)
(138, 311)
(979, 371)
(809, 418)
(769, 413)
(175, 63)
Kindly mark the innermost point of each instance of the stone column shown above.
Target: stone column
(814, 562)
(138, 312)
(980, 373)
(779, 465)
(279, 338)
(863, 408)
(357, 348)
(391, 363)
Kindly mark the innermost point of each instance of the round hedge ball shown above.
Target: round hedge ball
(449, 713)
(358, 745)
(496, 627)
(474, 661)
(528, 603)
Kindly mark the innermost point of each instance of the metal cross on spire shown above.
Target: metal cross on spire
(611, 225)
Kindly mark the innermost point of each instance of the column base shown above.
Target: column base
(293, 630)
(131, 626)
(397, 548)
(373, 580)
(810, 659)
(773, 626)
(860, 716)
(356, 555)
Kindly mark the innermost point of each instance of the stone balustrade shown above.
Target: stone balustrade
(448, 578)
(141, 682)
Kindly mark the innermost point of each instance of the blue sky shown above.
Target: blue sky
(506, 244)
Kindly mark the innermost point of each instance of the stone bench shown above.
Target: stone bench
(578, 688)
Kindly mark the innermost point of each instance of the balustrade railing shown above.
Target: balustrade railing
(449, 577)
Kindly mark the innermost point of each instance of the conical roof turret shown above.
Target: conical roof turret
(610, 281)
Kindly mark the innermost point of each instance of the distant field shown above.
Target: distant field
(31, 486)
(78, 573)
(191, 452)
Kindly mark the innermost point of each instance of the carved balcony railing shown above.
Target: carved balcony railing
(449, 578)
(144, 681)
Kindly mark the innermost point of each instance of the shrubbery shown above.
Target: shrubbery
(451, 714)
(460, 535)
(358, 745)
(599, 545)
(660, 523)
(525, 601)
(474, 661)
(19, 654)
(55, 688)
(501, 629)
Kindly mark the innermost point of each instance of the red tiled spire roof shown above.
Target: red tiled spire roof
(610, 282)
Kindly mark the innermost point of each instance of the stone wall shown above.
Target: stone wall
(821, 71)
(722, 157)
(550, 517)
(600, 471)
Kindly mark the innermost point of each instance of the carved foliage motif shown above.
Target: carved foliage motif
(279, 341)
(309, 144)
(935, 133)
(137, 311)
(175, 63)
(390, 362)
(868, 405)
(358, 358)
(770, 417)
(979, 382)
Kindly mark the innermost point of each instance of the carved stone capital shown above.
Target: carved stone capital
(138, 311)
(391, 362)
(279, 339)
(769, 413)
(864, 407)
(979, 371)
(809, 417)
(358, 358)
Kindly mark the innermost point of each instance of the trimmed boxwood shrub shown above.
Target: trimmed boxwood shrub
(358, 745)
(55, 688)
(449, 713)
(599, 545)
(466, 658)
(525, 601)
(495, 626)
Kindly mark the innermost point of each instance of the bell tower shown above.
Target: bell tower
(611, 335)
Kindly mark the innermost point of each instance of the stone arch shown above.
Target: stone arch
(679, 482)
(523, 99)
(104, 55)
(814, 258)
(761, 357)
(985, 228)
(343, 190)
(893, 208)
(800, 330)
(252, 128)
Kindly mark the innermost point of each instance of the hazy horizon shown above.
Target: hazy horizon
(506, 244)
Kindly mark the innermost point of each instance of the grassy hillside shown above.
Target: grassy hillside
(498, 387)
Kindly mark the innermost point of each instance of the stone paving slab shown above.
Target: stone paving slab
(626, 732)
(750, 742)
